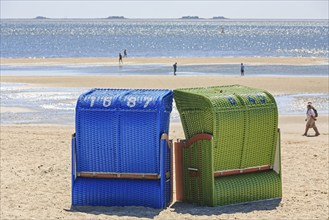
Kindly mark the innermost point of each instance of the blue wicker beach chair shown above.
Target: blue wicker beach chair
(120, 152)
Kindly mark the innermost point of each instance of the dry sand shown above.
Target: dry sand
(36, 178)
(36, 173)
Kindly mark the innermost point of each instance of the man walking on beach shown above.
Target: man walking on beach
(120, 59)
(310, 120)
(125, 53)
(175, 68)
(242, 69)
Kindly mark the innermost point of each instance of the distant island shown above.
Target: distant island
(190, 17)
(219, 17)
(115, 17)
(40, 17)
(197, 17)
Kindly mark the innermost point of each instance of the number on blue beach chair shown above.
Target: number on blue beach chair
(107, 101)
(131, 102)
(93, 98)
(147, 101)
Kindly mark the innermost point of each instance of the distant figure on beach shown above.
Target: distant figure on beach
(311, 115)
(125, 53)
(120, 59)
(175, 68)
(242, 69)
(222, 31)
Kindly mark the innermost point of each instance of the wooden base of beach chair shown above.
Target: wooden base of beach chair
(144, 176)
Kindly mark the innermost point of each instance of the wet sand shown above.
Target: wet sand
(169, 61)
(273, 84)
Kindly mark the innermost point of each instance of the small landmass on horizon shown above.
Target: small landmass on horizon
(40, 17)
(197, 17)
(190, 17)
(219, 17)
(115, 17)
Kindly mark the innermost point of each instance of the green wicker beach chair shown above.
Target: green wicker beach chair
(232, 149)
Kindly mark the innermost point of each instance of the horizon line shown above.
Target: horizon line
(199, 18)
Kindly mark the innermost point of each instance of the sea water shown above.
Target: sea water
(57, 105)
(163, 38)
(54, 38)
(162, 70)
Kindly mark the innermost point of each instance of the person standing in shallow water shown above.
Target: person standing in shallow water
(175, 68)
(125, 53)
(310, 120)
(120, 59)
(242, 69)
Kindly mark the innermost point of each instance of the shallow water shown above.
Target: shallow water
(48, 105)
(57, 105)
(185, 70)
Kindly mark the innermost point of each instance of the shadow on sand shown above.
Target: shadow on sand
(192, 209)
(178, 207)
(310, 135)
(124, 211)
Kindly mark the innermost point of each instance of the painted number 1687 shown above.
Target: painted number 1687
(130, 101)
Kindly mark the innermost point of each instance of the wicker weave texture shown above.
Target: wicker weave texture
(116, 192)
(119, 130)
(243, 122)
(247, 187)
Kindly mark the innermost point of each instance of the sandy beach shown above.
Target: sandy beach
(36, 159)
(36, 179)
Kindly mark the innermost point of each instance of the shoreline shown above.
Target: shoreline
(110, 61)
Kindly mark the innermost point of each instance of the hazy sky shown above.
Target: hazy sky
(279, 9)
